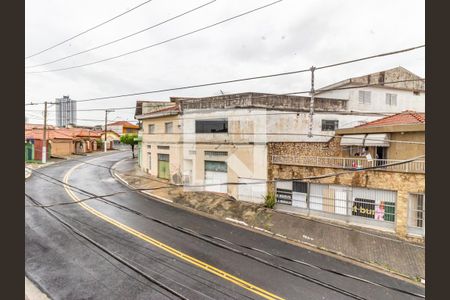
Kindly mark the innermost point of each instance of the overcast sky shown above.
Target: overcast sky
(287, 36)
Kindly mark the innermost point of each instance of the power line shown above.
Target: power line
(370, 57)
(212, 240)
(233, 81)
(110, 253)
(124, 37)
(159, 43)
(88, 30)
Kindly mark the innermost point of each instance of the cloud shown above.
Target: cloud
(287, 36)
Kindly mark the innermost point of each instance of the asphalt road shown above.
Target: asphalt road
(145, 259)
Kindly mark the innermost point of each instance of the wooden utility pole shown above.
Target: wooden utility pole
(106, 129)
(44, 138)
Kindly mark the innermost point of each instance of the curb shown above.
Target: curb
(117, 176)
(28, 173)
(298, 243)
(33, 292)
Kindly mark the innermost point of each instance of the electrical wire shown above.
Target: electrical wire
(230, 81)
(127, 243)
(287, 270)
(124, 37)
(207, 238)
(88, 30)
(105, 250)
(159, 43)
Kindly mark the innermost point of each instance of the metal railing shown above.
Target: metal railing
(417, 166)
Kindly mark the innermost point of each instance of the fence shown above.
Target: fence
(417, 166)
(359, 205)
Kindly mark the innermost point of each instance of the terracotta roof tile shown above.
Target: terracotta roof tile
(125, 124)
(403, 118)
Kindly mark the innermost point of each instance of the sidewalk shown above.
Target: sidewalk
(386, 253)
(32, 292)
(30, 166)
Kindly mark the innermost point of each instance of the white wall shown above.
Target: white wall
(406, 100)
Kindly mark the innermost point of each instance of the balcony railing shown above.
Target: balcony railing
(417, 166)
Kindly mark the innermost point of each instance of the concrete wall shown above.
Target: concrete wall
(259, 100)
(406, 151)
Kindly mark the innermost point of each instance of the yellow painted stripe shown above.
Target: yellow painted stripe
(240, 282)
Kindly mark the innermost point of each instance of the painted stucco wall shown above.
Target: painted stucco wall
(406, 100)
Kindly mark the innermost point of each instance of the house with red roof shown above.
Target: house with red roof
(61, 142)
(369, 176)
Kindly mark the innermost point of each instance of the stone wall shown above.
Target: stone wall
(403, 183)
(332, 148)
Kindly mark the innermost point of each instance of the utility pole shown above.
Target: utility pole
(106, 129)
(106, 126)
(311, 103)
(44, 138)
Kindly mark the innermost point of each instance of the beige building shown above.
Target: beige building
(220, 143)
(378, 186)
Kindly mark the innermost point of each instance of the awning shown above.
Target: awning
(352, 140)
(377, 140)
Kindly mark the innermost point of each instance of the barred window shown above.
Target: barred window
(216, 153)
(330, 125)
(416, 212)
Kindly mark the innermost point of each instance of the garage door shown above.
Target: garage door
(216, 173)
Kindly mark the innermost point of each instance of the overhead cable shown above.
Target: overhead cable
(88, 30)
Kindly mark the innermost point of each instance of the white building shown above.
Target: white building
(223, 139)
(389, 91)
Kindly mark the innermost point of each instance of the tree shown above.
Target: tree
(129, 139)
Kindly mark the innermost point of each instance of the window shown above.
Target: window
(211, 126)
(216, 153)
(163, 147)
(151, 128)
(364, 97)
(416, 222)
(391, 99)
(329, 125)
(300, 187)
(168, 127)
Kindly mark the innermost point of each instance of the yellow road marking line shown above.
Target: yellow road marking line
(240, 282)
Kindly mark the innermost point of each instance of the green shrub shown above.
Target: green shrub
(269, 200)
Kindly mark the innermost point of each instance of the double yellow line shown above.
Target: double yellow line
(202, 265)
